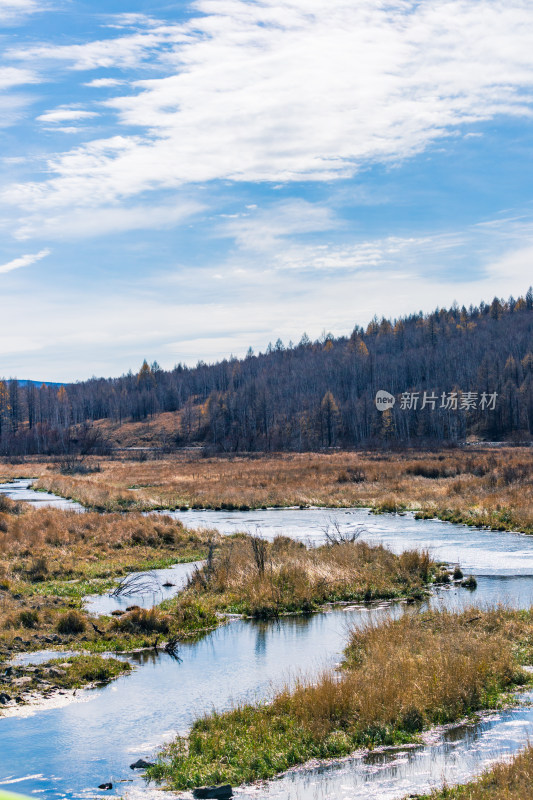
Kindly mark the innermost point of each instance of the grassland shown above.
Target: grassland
(490, 487)
(398, 678)
(505, 781)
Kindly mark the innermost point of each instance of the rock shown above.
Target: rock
(217, 792)
(106, 786)
(22, 681)
(4, 698)
(141, 764)
(55, 672)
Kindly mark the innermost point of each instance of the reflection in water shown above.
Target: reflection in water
(68, 752)
(176, 577)
(390, 775)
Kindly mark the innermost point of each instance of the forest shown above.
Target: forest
(454, 373)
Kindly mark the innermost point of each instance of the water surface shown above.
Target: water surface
(20, 489)
(161, 584)
(485, 552)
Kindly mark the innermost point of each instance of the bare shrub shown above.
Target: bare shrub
(259, 550)
(144, 621)
(335, 534)
(28, 618)
(38, 570)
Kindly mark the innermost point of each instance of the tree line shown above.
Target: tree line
(311, 395)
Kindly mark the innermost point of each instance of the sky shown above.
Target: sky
(181, 181)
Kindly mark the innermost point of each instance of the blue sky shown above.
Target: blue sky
(181, 181)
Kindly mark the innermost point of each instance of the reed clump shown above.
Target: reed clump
(50, 559)
(398, 678)
(47, 545)
(262, 579)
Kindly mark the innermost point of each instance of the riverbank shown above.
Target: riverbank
(398, 678)
(505, 781)
(478, 485)
(22, 685)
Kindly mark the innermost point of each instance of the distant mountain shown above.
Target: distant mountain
(37, 383)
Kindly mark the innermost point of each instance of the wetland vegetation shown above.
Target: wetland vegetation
(50, 559)
(478, 486)
(397, 679)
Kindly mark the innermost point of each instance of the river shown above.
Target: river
(67, 752)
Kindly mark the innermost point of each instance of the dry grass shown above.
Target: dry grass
(48, 544)
(486, 486)
(262, 579)
(399, 678)
(505, 781)
(50, 559)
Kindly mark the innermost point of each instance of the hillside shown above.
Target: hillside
(454, 373)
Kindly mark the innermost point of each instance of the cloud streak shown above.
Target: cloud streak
(23, 261)
(14, 76)
(63, 114)
(81, 224)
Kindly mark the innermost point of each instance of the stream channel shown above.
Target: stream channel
(67, 751)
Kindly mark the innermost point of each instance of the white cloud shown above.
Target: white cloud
(106, 332)
(24, 261)
(127, 51)
(262, 229)
(12, 108)
(291, 90)
(14, 76)
(128, 20)
(89, 223)
(12, 10)
(64, 114)
(65, 129)
(104, 83)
